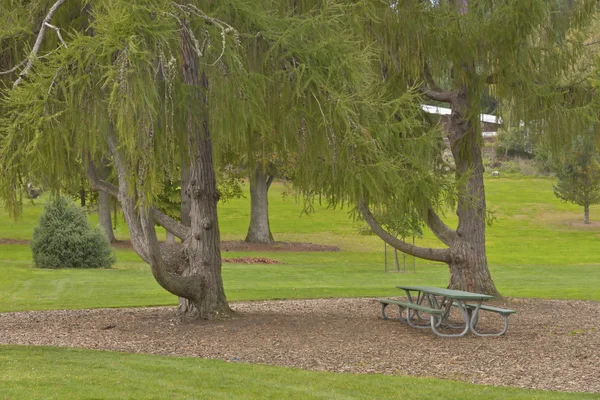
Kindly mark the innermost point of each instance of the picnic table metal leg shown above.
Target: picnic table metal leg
(465, 315)
(432, 303)
(474, 320)
(414, 314)
(400, 310)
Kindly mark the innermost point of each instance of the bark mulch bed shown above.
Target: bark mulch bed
(240, 245)
(235, 245)
(251, 260)
(13, 241)
(550, 344)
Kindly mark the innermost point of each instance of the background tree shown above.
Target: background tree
(261, 175)
(578, 174)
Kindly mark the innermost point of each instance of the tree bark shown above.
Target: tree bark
(468, 266)
(185, 305)
(259, 230)
(170, 239)
(586, 214)
(104, 216)
(202, 246)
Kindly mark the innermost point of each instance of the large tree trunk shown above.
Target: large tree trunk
(259, 230)
(586, 214)
(104, 216)
(468, 266)
(202, 246)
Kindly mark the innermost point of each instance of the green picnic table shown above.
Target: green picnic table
(440, 303)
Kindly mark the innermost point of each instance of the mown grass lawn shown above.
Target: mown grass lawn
(534, 250)
(52, 373)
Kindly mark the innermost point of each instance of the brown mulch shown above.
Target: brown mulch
(240, 245)
(235, 245)
(550, 344)
(13, 241)
(251, 260)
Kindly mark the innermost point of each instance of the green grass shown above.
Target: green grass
(52, 373)
(534, 250)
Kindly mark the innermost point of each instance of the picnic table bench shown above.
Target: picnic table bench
(440, 303)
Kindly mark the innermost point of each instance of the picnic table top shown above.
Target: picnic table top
(455, 294)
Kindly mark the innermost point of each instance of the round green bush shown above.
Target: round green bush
(65, 239)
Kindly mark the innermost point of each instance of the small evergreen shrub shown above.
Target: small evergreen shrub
(65, 239)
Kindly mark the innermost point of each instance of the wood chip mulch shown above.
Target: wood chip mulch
(550, 344)
(227, 245)
(251, 260)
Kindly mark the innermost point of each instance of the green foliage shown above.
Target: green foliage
(295, 76)
(64, 239)
(578, 173)
(515, 142)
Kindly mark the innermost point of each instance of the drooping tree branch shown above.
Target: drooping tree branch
(440, 229)
(441, 255)
(38, 41)
(57, 30)
(13, 69)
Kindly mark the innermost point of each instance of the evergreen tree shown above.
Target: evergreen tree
(578, 174)
(63, 238)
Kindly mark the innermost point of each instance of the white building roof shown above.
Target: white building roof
(491, 119)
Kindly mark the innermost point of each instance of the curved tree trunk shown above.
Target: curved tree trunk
(192, 269)
(259, 230)
(466, 252)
